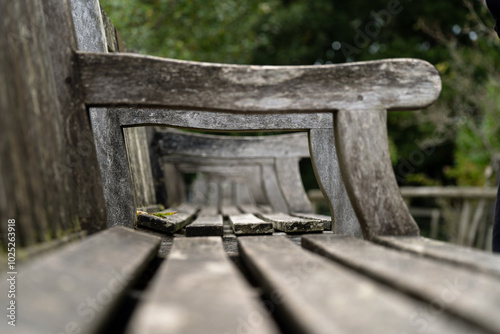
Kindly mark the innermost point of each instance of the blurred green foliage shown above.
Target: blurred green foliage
(451, 142)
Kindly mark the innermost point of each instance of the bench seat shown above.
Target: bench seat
(257, 284)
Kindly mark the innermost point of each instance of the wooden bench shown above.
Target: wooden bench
(274, 178)
(118, 280)
(269, 165)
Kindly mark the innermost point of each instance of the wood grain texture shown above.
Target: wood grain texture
(224, 121)
(175, 142)
(113, 164)
(477, 260)
(364, 159)
(326, 168)
(326, 220)
(184, 216)
(458, 290)
(289, 224)
(80, 285)
(246, 223)
(206, 225)
(198, 290)
(313, 295)
(91, 33)
(48, 179)
(132, 79)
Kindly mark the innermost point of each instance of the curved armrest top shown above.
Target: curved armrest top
(128, 79)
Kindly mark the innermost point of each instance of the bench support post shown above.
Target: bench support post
(364, 159)
(326, 167)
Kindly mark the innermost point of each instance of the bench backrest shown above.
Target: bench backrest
(276, 157)
(343, 107)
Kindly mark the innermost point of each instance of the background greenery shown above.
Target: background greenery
(452, 142)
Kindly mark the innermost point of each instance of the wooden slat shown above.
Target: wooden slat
(228, 210)
(198, 290)
(289, 224)
(184, 216)
(476, 259)
(314, 295)
(468, 294)
(326, 220)
(189, 144)
(134, 79)
(79, 286)
(249, 224)
(206, 225)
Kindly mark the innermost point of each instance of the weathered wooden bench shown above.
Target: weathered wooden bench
(273, 176)
(118, 280)
(269, 165)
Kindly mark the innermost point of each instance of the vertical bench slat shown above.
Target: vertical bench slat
(327, 170)
(470, 295)
(198, 290)
(313, 295)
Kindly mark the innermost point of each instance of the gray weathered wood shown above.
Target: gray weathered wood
(91, 36)
(326, 220)
(327, 170)
(364, 159)
(198, 290)
(175, 142)
(313, 295)
(185, 215)
(113, 163)
(208, 223)
(109, 142)
(133, 79)
(290, 182)
(247, 223)
(470, 295)
(52, 185)
(140, 166)
(476, 260)
(289, 224)
(225, 121)
(79, 286)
